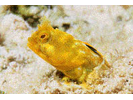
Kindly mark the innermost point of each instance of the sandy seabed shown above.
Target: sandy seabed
(107, 28)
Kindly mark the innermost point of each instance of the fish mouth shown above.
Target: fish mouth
(31, 40)
(32, 44)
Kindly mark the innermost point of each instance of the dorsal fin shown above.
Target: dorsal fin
(92, 48)
(44, 24)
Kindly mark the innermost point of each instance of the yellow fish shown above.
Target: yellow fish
(76, 59)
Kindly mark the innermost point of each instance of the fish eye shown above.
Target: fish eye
(42, 36)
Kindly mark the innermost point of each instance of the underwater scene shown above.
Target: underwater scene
(66, 49)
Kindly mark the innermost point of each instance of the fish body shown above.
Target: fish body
(76, 59)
